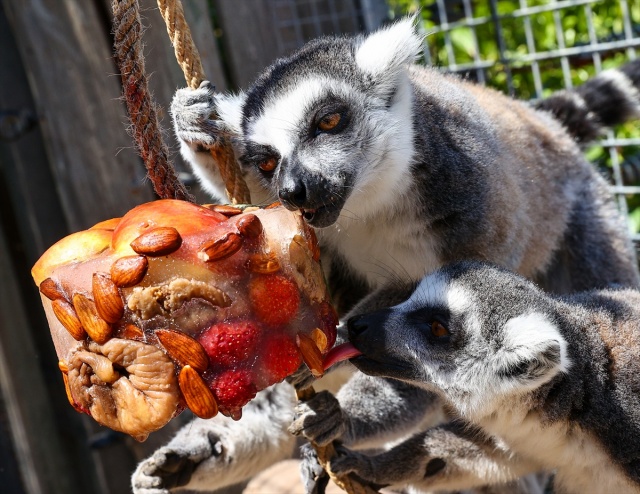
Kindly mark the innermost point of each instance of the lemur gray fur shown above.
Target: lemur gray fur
(401, 169)
(538, 381)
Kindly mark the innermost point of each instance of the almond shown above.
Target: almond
(250, 225)
(197, 394)
(97, 328)
(129, 270)
(319, 338)
(67, 316)
(312, 241)
(221, 248)
(51, 290)
(183, 349)
(160, 241)
(132, 332)
(310, 354)
(67, 388)
(107, 296)
(266, 263)
(225, 209)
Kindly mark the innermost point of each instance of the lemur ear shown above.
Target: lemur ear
(384, 53)
(533, 352)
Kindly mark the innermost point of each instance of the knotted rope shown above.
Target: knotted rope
(142, 111)
(189, 60)
(128, 47)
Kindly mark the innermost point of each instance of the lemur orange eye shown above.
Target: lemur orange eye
(438, 330)
(268, 165)
(329, 122)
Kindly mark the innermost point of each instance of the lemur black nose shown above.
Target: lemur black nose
(357, 325)
(293, 195)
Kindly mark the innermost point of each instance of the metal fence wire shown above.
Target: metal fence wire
(531, 48)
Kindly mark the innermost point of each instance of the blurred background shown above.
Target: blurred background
(67, 162)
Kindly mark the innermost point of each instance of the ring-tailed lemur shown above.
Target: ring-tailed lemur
(541, 382)
(402, 169)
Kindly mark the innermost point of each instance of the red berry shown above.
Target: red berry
(230, 343)
(280, 357)
(233, 389)
(274, 298)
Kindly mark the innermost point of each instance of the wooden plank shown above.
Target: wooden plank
(249, 40)
(35, 436)
(67, 54)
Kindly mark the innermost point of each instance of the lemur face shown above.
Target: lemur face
(330, 129)
(475, 333)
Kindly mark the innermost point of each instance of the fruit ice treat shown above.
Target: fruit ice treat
(176, 305)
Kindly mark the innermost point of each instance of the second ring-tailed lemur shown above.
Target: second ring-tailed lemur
(541, 382)
(401, 169)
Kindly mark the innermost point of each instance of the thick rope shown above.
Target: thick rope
(189, 60)
(142, 110)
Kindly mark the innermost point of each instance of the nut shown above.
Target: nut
(132, 332)
(225, 209)
(51, 290)
(97, 328)
(160, 241)
(63, 366)
(266, 263)
(319, 338)
(107, 296)
(67, 316)
(310, 354)
(221, 248)
(129, 270)
(197, 394)
(183, 348)
(312, 241)
(250, 225)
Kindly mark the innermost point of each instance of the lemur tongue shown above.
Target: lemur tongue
(340, 353)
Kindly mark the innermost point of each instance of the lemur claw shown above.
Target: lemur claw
(171, 467)
(319, 419)
(314, 477)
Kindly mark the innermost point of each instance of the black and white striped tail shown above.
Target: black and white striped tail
(610, 98)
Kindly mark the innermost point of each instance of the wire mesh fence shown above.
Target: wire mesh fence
(530, 48)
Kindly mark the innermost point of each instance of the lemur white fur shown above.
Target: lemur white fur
(550, 383)
(423, 169)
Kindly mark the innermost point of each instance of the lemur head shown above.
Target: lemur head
(330, 127)
(473, 332)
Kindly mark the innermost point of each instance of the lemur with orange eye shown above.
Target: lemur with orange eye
(400, 169)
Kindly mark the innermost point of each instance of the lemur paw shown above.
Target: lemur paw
(171, 467)
(314, 477)
(319, 419)
(347, 461)
(193, 112)
(302, 378)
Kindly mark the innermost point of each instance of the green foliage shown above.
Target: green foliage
(511, 65)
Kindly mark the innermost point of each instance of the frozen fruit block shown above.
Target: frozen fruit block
(177, 305)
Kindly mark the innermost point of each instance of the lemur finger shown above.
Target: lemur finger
(302, 378)
(314, 477)
(319, 419)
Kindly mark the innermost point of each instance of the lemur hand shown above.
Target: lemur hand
(193, 112)
(397, 466)
(173, 465)
(319, 419)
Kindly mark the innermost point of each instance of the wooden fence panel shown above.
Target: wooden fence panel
(67, 56)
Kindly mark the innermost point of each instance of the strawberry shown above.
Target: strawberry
(280, 356)
(274, 298)
(230, 343)
(233, 389)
